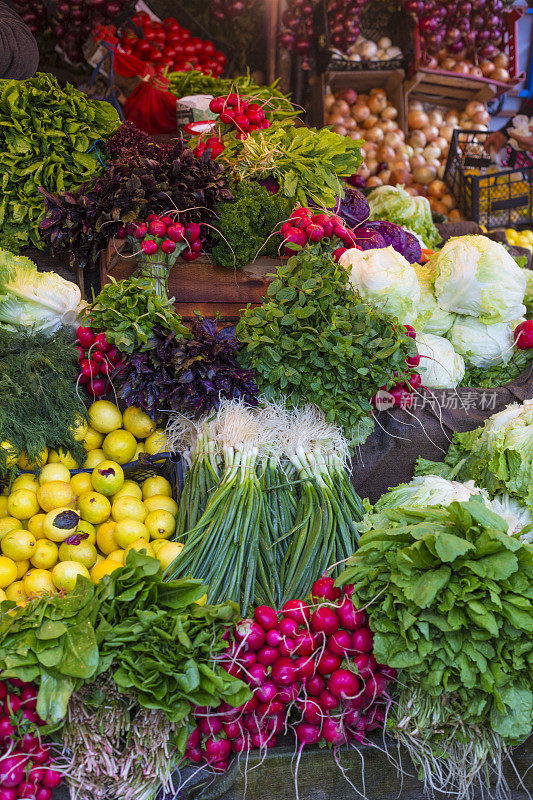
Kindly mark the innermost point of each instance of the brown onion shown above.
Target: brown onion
(348, 95)
(370, 122)
(374, 181)
(417, 119)
(401, 176)
(360, 112)
(417, 138)
(448, 201)
(501, 60)
(389, 112)
(500, 74)
(424, 175)
(437, 189)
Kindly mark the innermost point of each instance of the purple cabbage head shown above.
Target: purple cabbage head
(367, 238)
(353, 208)
(402, 241)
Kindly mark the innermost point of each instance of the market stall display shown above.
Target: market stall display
(187, 570)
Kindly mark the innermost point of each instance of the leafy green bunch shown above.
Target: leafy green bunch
(313, 340)
(152, 634)
(128, 310)
(450, 602)
(309, 164)
(47, 139)
(246, 224)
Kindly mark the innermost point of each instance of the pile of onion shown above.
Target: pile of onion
(374, 119)
(367, 50)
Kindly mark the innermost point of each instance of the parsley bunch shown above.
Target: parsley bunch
(313, 340)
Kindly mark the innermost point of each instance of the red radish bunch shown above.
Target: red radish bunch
(167, 45)
(241, 115)
(523, 335)
(401, 393)
(98, 358)
(297, 27)
(162, 234)
(310, 668)
(25, 768)
(304, 226)
(214, 144)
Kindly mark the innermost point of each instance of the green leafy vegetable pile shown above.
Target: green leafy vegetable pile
(499, 375)
(152, 634)
(246, 225)
(394, 204)
(309, 164)
(313, 340)
(128, 310)
(47, 138)
(39, 406)
(497, 456)
(450, 602)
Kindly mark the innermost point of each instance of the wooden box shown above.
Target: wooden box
(200, 285)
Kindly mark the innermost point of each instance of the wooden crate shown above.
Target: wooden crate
(448, 89)
(389, 80)
(200, 285)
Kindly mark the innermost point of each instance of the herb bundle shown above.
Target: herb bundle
(171, 180)
(245, 226)
(127, 311)
(39, 406)
(186, 374)
(313, 340)
(47, 138)
(499, 375)
(449, 594)
(309, 164)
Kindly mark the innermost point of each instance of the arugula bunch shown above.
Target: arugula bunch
(309, 164)
(127, 311)
(313, 340)
(450, 601)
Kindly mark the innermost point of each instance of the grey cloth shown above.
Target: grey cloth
(19, 54)
(388, 456)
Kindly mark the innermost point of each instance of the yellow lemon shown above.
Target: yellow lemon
(128, 531)
(117, 555)
(10, 453)
(38, 582)
(84, 553)
(157, 543)
(156, 442)
(79, 429)
(16, 592)
(160, 523)
(107, 478)
(53, 457)
(94, 457)
(8, 524)
(87, 529)
(128, 507)
(35, 525)
(8, 571)
(18, 545)
(25, 482)
(55, 494)
(22, 504)
(161, 501)
(60, 523)
(105, 537)
(65, 574)
(54, 472)
(104, 416)
(138, 545)
(94, 507)
(81, 483)
(22, 568)
(137, 422)
(103, 568)
(130, 489)
(92, 439)
(66, 459)
(139, 449)
(25, 462)
(3, 506)
(120, 446)
(45, 554)
(3, 596)
(156, 485)
(168, 552)
(99, 559)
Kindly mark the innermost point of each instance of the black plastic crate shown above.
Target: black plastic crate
(502, 197)
(379, 18)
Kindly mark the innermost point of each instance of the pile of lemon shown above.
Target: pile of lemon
(55, 526)
(520, 238)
